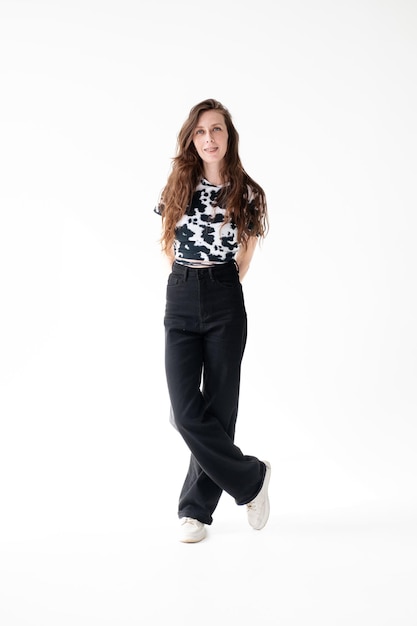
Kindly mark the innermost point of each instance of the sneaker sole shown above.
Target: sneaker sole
(266, 487)
(195, 539)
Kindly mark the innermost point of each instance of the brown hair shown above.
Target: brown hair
(187, 171)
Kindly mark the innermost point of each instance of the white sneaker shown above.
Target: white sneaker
(258, 509)
(191, 530)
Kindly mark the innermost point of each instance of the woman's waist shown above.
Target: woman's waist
(212, 269)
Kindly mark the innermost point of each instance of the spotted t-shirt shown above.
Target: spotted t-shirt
(201, 235)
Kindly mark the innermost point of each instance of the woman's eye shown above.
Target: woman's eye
(217, 128)
(199, 131)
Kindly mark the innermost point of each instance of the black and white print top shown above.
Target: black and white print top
(201, 235)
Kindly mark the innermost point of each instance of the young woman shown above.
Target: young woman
(213, 215)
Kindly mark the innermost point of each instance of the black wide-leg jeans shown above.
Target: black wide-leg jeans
(205, 336)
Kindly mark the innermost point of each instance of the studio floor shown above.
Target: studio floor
(347, 567)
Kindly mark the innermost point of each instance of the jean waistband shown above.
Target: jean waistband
(212, 271)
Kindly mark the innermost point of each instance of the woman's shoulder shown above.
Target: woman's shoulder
(254, 189)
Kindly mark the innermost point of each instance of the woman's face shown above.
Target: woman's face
(210, 137)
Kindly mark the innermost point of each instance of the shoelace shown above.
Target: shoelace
(189, 520)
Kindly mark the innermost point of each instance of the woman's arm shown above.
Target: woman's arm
(244, 256)
(169, 258)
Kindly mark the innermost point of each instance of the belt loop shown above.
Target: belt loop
(210, 270)
(185, 273)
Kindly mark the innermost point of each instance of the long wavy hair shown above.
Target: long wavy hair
(242, 198)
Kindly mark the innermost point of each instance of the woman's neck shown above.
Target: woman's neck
(212, 174)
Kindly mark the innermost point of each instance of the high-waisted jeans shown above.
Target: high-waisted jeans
(205, 336)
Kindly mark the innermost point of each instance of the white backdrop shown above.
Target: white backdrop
(324, 97)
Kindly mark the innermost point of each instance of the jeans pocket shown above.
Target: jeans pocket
(229, 280)
(175, 279)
